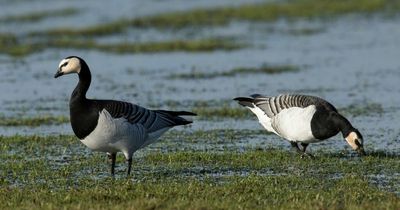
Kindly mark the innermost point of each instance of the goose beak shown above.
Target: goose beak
(59, 73)
(361, 151)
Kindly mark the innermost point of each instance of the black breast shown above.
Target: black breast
(322, 125)
(84, 116)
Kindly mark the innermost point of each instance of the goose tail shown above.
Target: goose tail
(245, 101)
(178, 117)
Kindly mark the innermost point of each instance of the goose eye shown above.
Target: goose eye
(66, 63)
(357, 142)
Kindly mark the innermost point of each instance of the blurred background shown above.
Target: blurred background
(198, 55)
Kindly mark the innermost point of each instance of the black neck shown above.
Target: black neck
(82, 114)
(84, 82)
(343, 124)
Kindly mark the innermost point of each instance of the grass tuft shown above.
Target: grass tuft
(33, 121)
(367, 109)
(13, 47)
(264, 69)
(166, 46)
(226, 111)
(38, 16)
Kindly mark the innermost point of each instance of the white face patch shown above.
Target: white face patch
(70, 65)
(353, 140)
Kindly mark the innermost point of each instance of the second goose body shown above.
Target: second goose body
(302, 119)
(113, 126)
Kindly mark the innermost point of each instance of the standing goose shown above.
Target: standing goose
(113, 126)
(302, 119)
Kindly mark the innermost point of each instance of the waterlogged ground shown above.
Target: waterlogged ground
(224, 159)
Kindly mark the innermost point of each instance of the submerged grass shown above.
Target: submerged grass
(37, 16)
(178, 45)
(56, 172)
(264, 69)
(33, 121)
(270, 11)
(367, 109)
(16, 48)
(264, 12)
(225, 111)
(7, 39)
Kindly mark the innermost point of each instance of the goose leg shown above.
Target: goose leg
(112, 156)
(295, 146)
(129, 161)
(304, 145)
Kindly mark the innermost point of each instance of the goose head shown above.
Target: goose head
(355, 140)
(69, 65)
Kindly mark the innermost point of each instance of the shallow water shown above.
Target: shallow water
(97, 12)
(352, 61)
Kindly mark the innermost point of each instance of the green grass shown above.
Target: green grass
(165, 46)
(115, 27)
(264, 12)
(367, 109)
(56, 172)
(264, 69)
(37, 16)
(215, 113)
(220, 16)
(7, 39)
(33, 121)
(10, 45)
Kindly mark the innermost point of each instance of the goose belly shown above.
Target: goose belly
(114, 135)
(294, 124)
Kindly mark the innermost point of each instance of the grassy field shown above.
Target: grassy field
(57, 172)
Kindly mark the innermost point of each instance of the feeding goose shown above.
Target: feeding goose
(113, 126)
(302, 119)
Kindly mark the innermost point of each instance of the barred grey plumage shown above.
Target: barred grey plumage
(152, 120)
(275, 104)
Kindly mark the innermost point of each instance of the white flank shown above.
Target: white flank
(114, 135)
(264, 120)
(153, 137)
(294, 124)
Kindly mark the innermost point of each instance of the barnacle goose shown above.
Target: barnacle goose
(113, 126)
(302, 119)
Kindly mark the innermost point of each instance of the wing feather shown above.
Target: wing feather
(273, 105)
(152, 120)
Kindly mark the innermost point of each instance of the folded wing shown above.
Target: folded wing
(271, 106)
(152, 120)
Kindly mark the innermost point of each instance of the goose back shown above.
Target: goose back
(274, 105)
